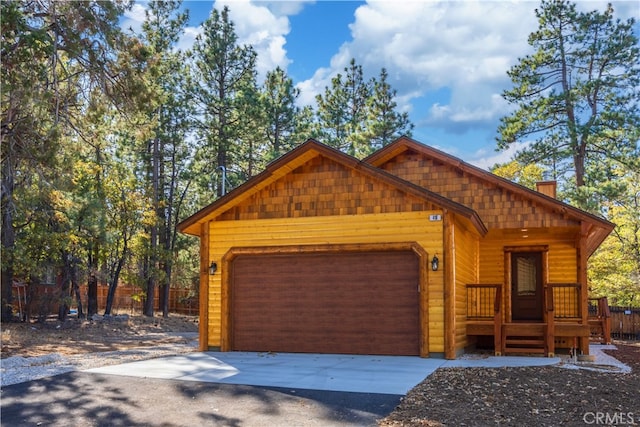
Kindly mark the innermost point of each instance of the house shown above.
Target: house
(408, 252)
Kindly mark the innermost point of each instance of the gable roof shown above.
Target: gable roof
(304, 153)
(597, 228)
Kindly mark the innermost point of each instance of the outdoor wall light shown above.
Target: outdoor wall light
(213, 268)
(434, 263)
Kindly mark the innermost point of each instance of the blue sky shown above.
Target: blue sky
(446, 59)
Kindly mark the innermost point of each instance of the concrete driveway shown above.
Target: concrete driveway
(230, 389)
(82, 399)
(328, 372)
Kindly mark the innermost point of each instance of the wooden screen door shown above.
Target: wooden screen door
(526, 286)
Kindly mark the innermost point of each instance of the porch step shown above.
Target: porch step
(523, 338)
(524, 329)
(524, 345)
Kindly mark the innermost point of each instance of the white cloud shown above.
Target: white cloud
(426, 45)
(134, 18)
(287, 7)
(263, 25)
(463, 114)
(188, 38)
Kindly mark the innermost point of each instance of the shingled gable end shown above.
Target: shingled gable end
(324, 253)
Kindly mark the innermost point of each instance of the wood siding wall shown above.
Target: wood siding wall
(497, 207)
(561, 256)
(330, 230)
(466, 248)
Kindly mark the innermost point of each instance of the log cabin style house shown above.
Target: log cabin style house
(410, 251)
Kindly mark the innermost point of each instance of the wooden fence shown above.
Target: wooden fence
(129, 300)
(625, 323)
(44, 299)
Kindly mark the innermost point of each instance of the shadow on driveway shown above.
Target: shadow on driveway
(83, 399)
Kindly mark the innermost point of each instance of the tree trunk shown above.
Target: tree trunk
(63, 308)
(153, 262)
(163, 207)
(8, 235)
(579, 161)
(76, 291)
(222, 156)
(94, 250)
(7, 296)
(149, 301)
(92, 282)
(112, 286)
(166, 289)
(92, 295)
(69, 285)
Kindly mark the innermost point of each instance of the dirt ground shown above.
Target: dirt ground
(83, 336)
(541, 396)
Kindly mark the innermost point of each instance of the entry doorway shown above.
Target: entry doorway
(526, 286)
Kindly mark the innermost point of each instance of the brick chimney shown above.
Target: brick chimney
(548, 188)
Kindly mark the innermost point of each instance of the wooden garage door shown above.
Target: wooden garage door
(354, 303)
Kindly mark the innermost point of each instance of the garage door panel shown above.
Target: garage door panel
(326, 303)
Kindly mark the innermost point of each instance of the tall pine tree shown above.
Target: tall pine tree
(220, 72)
(383, 122)
(342, 111)
(358, 116)
(286, 123)
(576, 96)
(165, 154)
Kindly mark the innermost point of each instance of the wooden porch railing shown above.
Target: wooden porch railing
(563, 317)
(484, 305)
(562, 302)
(601, 319)
(565, 300)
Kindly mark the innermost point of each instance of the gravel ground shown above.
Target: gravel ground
(18, 369)
(588, 394)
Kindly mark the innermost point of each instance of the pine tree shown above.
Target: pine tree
(358, 116)
(165, 154)
(577, 95)
(577, 98)
(342, 111)
(384, 123)
(249, 146)
(221, 70)
(52, 52)
(286, 123)
(614, 269)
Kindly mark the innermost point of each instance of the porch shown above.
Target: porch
(564, 323)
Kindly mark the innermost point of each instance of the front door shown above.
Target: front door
(526, 286)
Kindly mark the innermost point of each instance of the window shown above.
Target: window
(526, 274)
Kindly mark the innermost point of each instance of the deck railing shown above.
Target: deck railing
(563, 315)
(483, 301)
(600, 319)
(565, 300)
(484, 304)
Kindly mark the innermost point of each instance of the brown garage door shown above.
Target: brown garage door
(354, 303)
